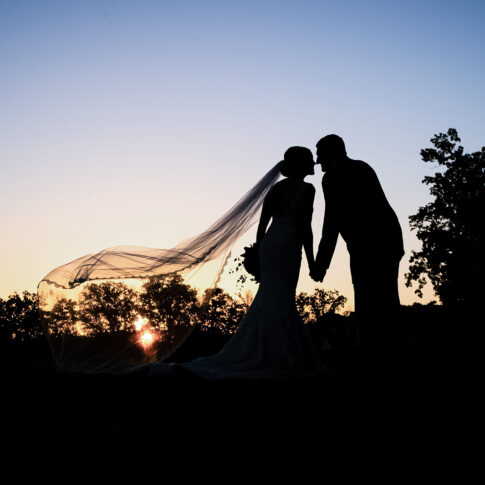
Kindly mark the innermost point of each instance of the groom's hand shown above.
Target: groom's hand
(317, 274)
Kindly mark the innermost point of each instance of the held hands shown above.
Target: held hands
(317, 274)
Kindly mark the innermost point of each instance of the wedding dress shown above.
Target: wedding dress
(272, 341)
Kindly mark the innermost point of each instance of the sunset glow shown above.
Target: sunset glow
(179, 108)
(80, 330)
(140, 322)
(146, 338)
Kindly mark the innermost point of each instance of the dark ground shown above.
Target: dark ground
(47, 414)
(433, 400)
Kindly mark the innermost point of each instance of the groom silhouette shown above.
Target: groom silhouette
(357, 209)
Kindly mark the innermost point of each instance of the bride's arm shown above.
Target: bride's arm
(306, 224)
(263, 220)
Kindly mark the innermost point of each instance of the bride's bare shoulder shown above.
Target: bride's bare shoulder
(289, 186)
(280, 186)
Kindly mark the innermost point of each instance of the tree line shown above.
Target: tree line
(165, 302)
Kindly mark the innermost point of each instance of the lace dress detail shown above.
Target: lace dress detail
(272, 341)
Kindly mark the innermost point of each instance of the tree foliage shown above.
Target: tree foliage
(169, 305)
(220, 311)
(312, 307)
(19, 319)
(107, 307)
(168, 302)
(451, 227)
(63, 318)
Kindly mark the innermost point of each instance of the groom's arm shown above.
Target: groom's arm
(327, 245)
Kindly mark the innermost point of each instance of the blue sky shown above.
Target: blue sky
(141, 122)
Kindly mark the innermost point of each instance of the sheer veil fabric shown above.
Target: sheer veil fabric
(122, 262)
(78, 348)
(271, 342)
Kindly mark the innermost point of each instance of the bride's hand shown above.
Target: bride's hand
(311, 267)
(316, 274)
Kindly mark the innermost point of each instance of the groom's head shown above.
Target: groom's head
(330, 149)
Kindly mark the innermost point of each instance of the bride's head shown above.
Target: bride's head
(298, 162)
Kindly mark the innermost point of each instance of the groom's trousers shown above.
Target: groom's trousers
(376, 301)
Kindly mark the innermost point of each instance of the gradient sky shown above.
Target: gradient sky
(141, 122)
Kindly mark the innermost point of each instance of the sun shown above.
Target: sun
(146, 338)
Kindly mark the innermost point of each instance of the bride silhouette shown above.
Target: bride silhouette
(271, 341)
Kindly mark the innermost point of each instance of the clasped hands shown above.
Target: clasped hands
(317, 274)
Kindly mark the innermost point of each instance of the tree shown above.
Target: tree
(321, 302)
(451, 227)
(322, 313)
(220, 311)
(63, 318)
(107, 307)
(19, 317)
(168, 302)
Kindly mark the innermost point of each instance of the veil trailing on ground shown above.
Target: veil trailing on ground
(88, 306)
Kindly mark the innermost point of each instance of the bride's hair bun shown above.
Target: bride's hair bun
(295, 161)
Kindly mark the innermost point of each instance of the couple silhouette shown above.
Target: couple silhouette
(272, 340)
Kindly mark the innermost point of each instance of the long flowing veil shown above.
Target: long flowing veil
(87, 305)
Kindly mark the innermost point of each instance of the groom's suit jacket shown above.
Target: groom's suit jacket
(357, 208)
